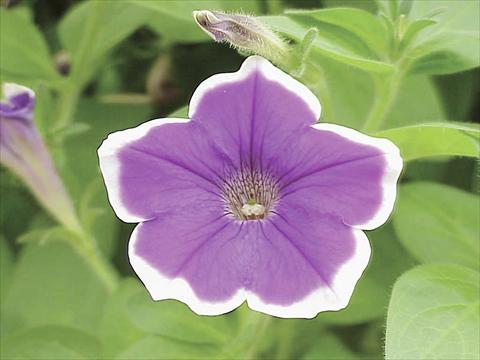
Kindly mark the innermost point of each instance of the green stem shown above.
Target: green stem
(81, 68)
(314, 77)
(284, 339)
(386, 91)
(261, 326)
(86, 247)
(245, 344)
(67, 104)
(275, 7)
(83, 243)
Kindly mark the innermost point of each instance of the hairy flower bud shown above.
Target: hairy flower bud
(246, 33)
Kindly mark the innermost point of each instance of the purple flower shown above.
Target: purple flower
(24, 153)
(250, 199)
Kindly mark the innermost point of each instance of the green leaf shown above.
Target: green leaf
(453, 44)
(157, 347)
(52, 285)
(329, 347)
(433, 314)
(370, 298)
(50, 342)
(333, 42)
(116, 331)
(414, 29)
(435, 139)
(361, 24)
(6, 268)
(44, 236)
(91, 29)
(175, 320)
(24, 52)
(438, 223)
(349, 108)
(180, 113)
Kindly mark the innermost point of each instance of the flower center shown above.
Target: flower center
(250, 194)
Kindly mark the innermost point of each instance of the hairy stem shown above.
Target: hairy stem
(83, 243)
(245, 344)
(386, 91)
(86, 247)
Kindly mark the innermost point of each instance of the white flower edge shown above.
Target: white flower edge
(10, 90)
(272, 73)
(333, 298)
(393, 169)
(110, 164)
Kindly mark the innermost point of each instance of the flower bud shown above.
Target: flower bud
(23, 152)
(245, 33)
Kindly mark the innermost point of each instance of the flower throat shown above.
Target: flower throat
(250, 194)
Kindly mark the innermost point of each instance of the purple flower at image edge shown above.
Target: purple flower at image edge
(23, 152)
(250, 199)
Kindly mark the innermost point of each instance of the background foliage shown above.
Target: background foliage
(401, 69)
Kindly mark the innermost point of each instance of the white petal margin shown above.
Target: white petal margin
(110, 164)
(394, 165)
(333, 298)
(11, 90)
(250, 65)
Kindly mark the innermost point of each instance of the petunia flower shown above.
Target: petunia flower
(23, 152)
(250, 199)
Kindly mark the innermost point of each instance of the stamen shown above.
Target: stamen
(250, 194)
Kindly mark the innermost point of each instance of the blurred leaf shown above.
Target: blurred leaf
(135, 327)
(175, 320)
(15, 200)
(433, 314)
(370, 297)
(362, 25)
(329, 347)
(44, 236)
(119, 20)
(351, 94)
(439, 223)
(6, 268)
(435, 139)
(157, 347)
(116, 331)
(453, 44)
(459, 94)
(52, 285)
(350, 91)
(52, 343)
(24, 53)
(333, 42)
(180, 113)
(76, 128)
(414, 29)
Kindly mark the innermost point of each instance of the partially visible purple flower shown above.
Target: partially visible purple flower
(250, 199)
(24, 153)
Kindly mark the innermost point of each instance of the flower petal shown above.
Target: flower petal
(161, 165)
(192, 257)
(306, 266)
(338, 170)
(252, 112)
